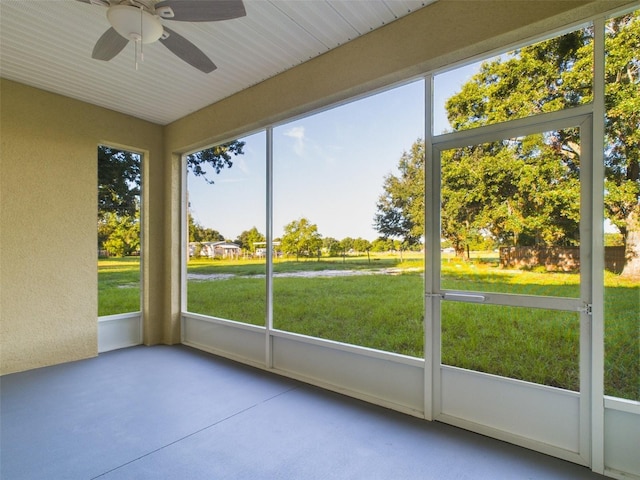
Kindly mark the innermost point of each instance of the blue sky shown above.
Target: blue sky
(329, 167)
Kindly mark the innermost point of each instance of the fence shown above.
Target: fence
(556, 259)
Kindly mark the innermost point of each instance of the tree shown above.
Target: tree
(119, 235)
(518, 192)
(119, 173)
(119, 191)
(400, 209)
(361, 245)
(301, 238)
(118, 181)
(382, 245)
(622, 161)
(198, 233)
(217, 157)
(118, 201)
(556, 74)
(346, 244)
(248, 238)
(331, 246)
(526, 192)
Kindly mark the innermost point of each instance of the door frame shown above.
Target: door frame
(468, 399)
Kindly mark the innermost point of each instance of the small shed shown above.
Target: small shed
(222, 249)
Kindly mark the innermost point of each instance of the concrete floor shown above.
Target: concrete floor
(177, 413)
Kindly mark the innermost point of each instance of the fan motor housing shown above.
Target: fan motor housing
(135, 23)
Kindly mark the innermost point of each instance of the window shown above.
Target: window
(622, 208)
(335, 276)
(547, 76)
(118, 231)
(510, 215)
(226, 228)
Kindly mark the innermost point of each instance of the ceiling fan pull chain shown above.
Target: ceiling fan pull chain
(136, 42)
(141, 36)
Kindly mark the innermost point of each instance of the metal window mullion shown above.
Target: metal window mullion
(433, 167)
(269, 262)
(596, 370)
(587, 232)
(144, 247)
(184, 233)
(565, 118)
(431, 235)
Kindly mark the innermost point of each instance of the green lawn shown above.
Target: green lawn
(385, 312)
(118, 285)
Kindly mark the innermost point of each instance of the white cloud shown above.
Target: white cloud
(297, 133)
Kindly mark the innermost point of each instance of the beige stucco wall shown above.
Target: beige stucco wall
(48, 207)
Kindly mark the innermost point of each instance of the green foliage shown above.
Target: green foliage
(118, 182)
(346, 244)
(118, 201)
(248, 238)
(381, 244)
(622, 121)
(539, 78)
(218, 158)
(361, 245)
(519, 191)
(613, 240)
(331, 246)
(526, 191)
(400, 208)
(119, 235)
(522, 191)
(549, 76)
(119, 195)
(198, 233)
(301, 238)
(125, 240)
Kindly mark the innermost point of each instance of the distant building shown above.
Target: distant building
(214, 249)
(261, 249)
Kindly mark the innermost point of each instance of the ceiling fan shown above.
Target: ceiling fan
(140, 21)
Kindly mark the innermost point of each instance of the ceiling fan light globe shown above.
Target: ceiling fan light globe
(133, 23)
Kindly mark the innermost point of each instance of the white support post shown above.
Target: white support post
(431, 243)
(269, 253)
(184, 234)
(597, 265)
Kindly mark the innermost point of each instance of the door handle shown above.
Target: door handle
(465, 297)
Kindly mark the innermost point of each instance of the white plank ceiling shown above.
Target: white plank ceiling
(48, 43)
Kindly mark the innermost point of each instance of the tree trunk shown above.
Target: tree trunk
(632, 246)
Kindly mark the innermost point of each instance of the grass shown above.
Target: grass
(118, 285)
(535, 345)
(371, 311)
(622, 338)
(385, 312)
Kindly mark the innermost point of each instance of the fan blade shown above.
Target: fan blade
(109, 45)
(187, 51)
(200, 10)
(101, 3)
